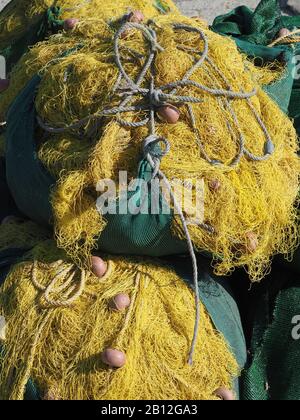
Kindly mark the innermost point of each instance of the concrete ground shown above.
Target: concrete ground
(211, 8)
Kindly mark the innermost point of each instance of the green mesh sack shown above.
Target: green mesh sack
(272, 369)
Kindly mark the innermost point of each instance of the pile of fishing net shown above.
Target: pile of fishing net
(19, 16)
(167, 101)
(56, 335)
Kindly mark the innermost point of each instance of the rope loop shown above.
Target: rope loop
(63, 290)
(151, 146)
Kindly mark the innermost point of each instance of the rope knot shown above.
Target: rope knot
(156, 47)
(153, 151)
(152, 146)
(155, 97)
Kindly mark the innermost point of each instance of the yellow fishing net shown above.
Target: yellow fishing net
(21, 235)
(59, 345)
(18, 15)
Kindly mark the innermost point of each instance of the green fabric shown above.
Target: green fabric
(294, 107)
(253, 31)
(273, 373)
(31, 392)
(7, 206)
(28, 182)
(217, 296)
(142, 234)
(281, 90)
(49, 23)
(258, 27)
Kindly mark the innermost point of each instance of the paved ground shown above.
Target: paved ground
(211, 8)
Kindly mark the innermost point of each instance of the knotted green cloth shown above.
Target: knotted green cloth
(258, 27)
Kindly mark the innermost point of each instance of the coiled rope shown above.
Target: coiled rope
(61, 284)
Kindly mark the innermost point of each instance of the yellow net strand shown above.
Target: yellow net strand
(286, 39)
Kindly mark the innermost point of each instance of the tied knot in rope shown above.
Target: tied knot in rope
(153, 151)
(152, 146)
(155, 97)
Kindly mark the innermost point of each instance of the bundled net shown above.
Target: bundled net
(56, 331)
(21, 235)
(18, 16)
